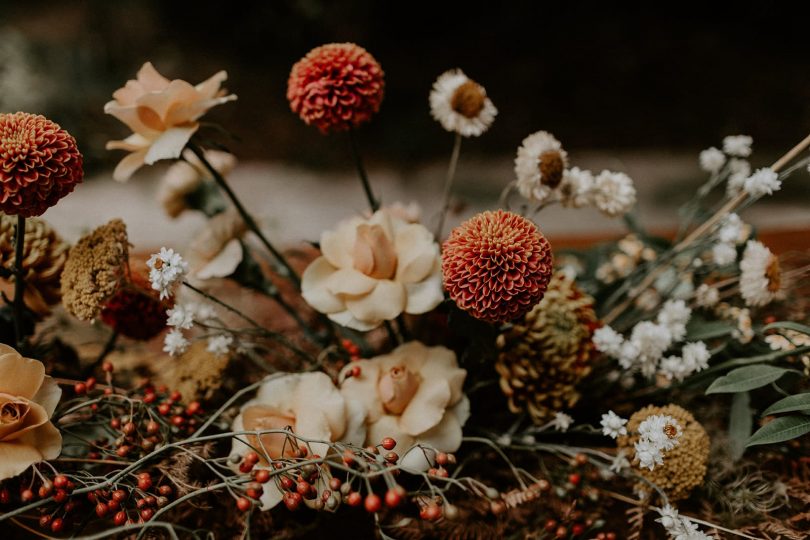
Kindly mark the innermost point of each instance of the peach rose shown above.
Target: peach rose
(162, 114)
(414, 395)
(311, 406)
(374, 269)
(27, 401)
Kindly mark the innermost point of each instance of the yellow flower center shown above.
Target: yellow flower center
(468, 99)
(551, 168)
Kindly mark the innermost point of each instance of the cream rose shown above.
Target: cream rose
(27, 401)
(414, 395)
(374, 269)
(311, 406)
(162, 114)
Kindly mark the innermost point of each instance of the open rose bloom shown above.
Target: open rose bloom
(414, 395)
(307, 404)
(374, 269)
(162, 114)
(27, 401)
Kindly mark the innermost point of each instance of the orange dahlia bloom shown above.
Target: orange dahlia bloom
(496, 266)
(336, 87)
(39, 164)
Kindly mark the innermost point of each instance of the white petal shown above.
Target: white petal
(384, 303)
(170, 144)
(425, 295)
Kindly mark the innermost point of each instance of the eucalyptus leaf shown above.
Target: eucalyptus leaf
(746, 378)
(781, 429)
(788, 325)
(799, 402)
(740, 423)
(700, 330)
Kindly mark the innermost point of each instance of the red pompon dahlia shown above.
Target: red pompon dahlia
(136, 311)
(496, 266)
(39, 164)
(336, 87)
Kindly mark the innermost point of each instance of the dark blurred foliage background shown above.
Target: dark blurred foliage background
(599, 76)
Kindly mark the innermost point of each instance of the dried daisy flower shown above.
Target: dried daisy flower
(95, 268)
(39, 164)
(546, 353)
(497, 266)
(760, 275)
(613, 193)
(683, 464)
(184, 177)
(44, 257)
(162, 114)
(539, 166)
(577, 188)
(461, 105)
(135, 310)
(372, 270)
(217, 251)
(336, 87)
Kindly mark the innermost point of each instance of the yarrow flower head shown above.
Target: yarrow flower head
(613, 425)
(712, 160)
(166, 268)
(162, 114)
(461, 105)
(336, 87)
(737, 145)
(760, 275)
(614, 193)
(539, 165)
(763, 182)
(496, 265)
(39, 164)
(731, 229)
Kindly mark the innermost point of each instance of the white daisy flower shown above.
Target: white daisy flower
(219, 345)
(613, 425)
(712, 160)
(760, 277)
(738, 145)
(724, 254)
(539, 165)
(608, 341)
(763, 182)
(561, 421)
(461, 105)
(577, 188)
(661, 430)
(613, 193)
(175, 343)
(165, 269)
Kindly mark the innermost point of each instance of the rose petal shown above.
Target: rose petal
(445, 436)
(224, 264)
(418, 460)
(16, 458)
(313, 287)
(363, 388)
(210, 87)
(345, 318)
(384, 303)
(177, 93)
(127, 166)
(150, 79)
(425, 295)
(337, 245)
(388, 426)
(170, 144)
(355, 422)
(48, 395)
(426, 409)
(318, 388)
(46, 439)
(417, 253)
(19, 376)
(350, 281)
(130, 116)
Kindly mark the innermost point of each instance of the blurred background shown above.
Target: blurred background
(630, 90)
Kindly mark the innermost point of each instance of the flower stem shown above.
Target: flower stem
(19, 283)
(361, 170)
(448, 185)
(285, 269)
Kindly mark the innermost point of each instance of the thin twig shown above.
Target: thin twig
(19, 282)
(448, 185)
(373, 202)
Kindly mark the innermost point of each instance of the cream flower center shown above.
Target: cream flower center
(374, 254)
(468, 99)
(774, 274)
(396, 388)
(151, 119)
(273, 445)
(551, 168)
(13, 411)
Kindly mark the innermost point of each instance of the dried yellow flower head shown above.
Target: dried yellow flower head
(549, 351)
(197, 373)
(44, 258)
(94, 269)
(685, 465)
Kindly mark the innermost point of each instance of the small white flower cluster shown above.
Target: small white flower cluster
(763, 182)
(648, 341)
(658, 433)
(166, 268)
(706, 296)
(732, 231)
(738, 145)
(613, 193)
(561, 421)
(679, 527)
(735, 149)
(613, 425)
(182, 317)
(756, 287)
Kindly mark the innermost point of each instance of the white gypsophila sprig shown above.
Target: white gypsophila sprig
(613, 193)
(731, 229)
(763, 182)
(738, 145)
(561, 421)
(166, 268)
(738, 172)
(694, 357)
(613, 425)
(577, 188)
(203, 312)
(649, 341)
(175, 343)
(180, 316)
(532, 182)
(608, 341)
(706, 296)
(757, 264)
(674, 315)
(219, 345)
(724, 254)
(442, 98)
(712, 160)
(679, 527)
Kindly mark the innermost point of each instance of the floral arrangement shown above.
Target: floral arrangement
(406, 381)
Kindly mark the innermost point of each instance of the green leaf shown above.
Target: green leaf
(700, 330)
(788, 325)
(746, 378)
(740, 423)
(781, 429)
(799, 402)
